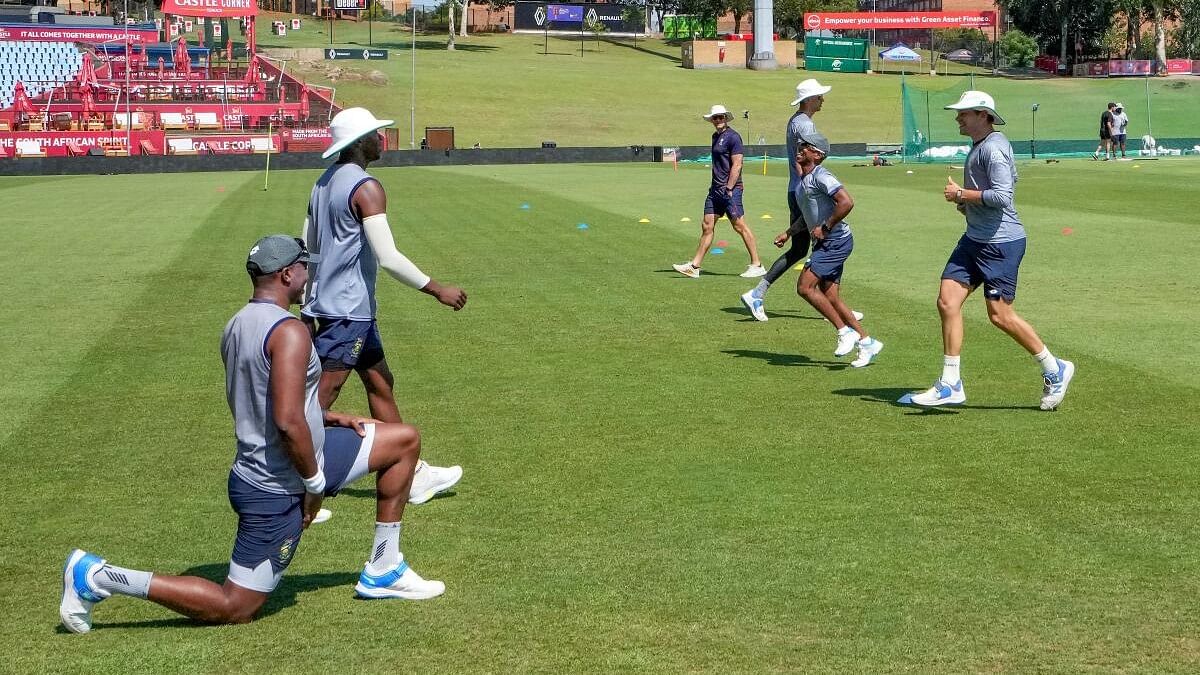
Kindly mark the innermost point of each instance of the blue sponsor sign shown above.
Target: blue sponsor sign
(564, 13)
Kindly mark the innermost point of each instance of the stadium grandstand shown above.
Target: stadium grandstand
(78, 84)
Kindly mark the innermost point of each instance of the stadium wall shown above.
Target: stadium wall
(60, 166)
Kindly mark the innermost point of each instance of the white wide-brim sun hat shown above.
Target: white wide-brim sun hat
(350, 125)
(808, 89)
(977, 100)
(716, 110)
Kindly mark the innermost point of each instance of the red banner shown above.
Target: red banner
(1176, 66)
(51, 33)
(892, 20)
(55, 143)
(1116, 68)
(210, 7)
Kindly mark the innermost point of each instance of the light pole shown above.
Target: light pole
(128, 62)
(1033, 139)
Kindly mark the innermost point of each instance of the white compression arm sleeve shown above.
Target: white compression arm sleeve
(379, 236)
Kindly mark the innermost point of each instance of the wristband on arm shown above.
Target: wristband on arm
(315, 484)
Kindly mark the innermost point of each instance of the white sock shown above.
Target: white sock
(122, 581)
(760, 291)
(1049, 363)
(845, 329)
(865, 342)
(385, 552)
(950, 374)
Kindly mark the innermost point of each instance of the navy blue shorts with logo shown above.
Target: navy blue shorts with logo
(1118, 138)
(346, 344)
(721, 203)
(829, 258)
(270, 524)
(993, 265)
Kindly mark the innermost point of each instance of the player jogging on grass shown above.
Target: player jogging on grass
(287, 461)
(724, 196)
(810, 98)
(988, 253)
(824, 205)
(347, 225)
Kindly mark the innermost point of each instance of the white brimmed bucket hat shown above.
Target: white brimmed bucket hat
(977, 100)
(808, 89)
(350, 125)
(717, 110)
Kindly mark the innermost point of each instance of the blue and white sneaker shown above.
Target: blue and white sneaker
(939, 394)
(755, 305)
(398, 582)
(79, 593)
(1054, 387)
(868, 349)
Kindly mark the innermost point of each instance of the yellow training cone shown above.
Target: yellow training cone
(685, 219)
(644, 220)
(766, 216)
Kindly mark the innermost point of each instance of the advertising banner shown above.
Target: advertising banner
(88, 34)
(564, 13)
(536, 16)
(893, 20)
(230, 145)
(55, 143)
(1120, 68)
(1179, 66)
(210, 7)
(332, 54)
(349, 5)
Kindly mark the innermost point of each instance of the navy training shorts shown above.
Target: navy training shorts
(347, 344)
(993, 265)
(270, 524)
(721, 203)
(829, 257)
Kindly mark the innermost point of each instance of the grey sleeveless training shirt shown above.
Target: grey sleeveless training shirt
(261, 459)
(343, 283)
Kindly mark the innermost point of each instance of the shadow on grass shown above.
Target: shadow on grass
(639, 48)
(771, 314)
(891, 396)
(777, 359)
(705, 273)
(369, 493)
(285, 596)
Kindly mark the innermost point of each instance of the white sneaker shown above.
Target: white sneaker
(1055, 386)
(867, 351)
(755, 305)
(322, 516)
(846, 342)
(753, 271)
(398, 582)
(687, 269)
(79, 595)
(939, 394)
(431, 480)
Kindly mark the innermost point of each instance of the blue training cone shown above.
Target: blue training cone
(582, 226)
(717, 251)
(524, 206)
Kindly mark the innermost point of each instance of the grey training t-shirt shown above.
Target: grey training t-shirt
(991, 169)
(343, 283)
(799, 124)
(261, 460)
(815, 196)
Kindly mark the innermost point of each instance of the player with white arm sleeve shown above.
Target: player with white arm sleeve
(347, 222)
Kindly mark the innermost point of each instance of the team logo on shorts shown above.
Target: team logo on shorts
(286, 550)
(992, 292)
(357, 348)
